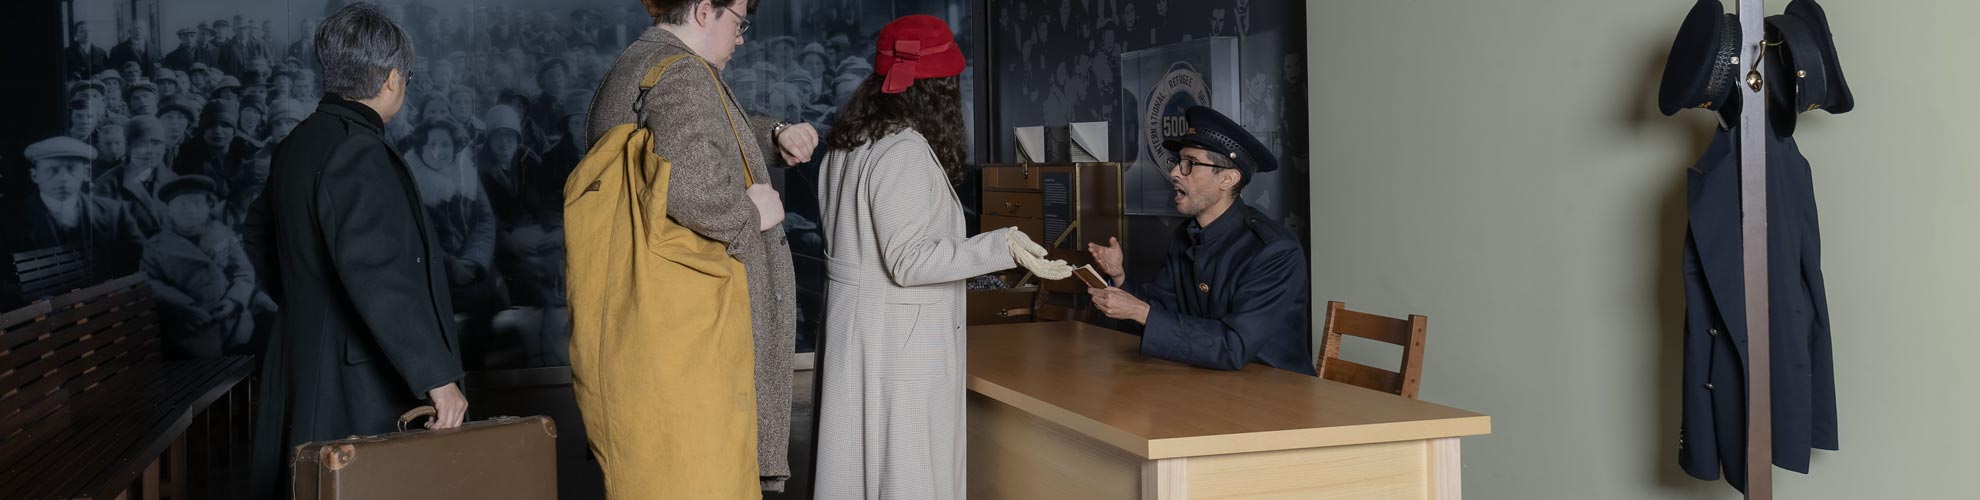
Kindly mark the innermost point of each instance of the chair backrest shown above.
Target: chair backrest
(54, 349)
(49, 271)
(1406, 333)
(1063, 300)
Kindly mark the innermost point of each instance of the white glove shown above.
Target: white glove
(1032, 257)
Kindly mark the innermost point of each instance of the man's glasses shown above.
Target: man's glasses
(1187, 165)
(744, 28)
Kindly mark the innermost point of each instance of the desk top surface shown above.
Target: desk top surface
(1094, 381)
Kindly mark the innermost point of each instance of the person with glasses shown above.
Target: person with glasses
(1233, 289)
(341, 241)
(708, 428)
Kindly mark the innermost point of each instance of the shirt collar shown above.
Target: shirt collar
(362, 112)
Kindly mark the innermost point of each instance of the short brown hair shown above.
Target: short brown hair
(675, 11)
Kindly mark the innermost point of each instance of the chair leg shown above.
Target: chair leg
(149, 482)
(174, 486)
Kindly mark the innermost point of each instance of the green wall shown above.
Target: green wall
(1500, 166)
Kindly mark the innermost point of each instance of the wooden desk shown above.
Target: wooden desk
(1070, 410)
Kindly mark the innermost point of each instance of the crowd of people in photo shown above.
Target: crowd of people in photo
(492, 125)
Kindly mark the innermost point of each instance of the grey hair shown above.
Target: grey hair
(358, 47)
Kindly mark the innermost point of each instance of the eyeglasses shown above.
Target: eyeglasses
(1187, 165)
(744, 28)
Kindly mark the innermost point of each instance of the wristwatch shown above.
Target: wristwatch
(777, 133)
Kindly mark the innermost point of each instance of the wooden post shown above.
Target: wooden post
(1753, 239)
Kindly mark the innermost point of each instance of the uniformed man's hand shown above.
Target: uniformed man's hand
(1109, 259)
(1118, 304)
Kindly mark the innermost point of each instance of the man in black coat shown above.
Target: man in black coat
(135, 49)
(342, 244)
(84, 59)
(182, 58)
(1712, 436)
(1233, 290)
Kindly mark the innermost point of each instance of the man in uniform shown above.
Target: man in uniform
(1234, 288)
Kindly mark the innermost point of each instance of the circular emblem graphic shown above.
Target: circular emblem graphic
(1178, 89)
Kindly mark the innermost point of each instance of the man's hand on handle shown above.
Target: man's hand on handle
(451, 404)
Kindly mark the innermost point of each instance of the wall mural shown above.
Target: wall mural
(1059, 62)
(163, 89)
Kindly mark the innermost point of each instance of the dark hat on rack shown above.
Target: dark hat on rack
(1704, 63)
(1803, 74)
(1840, 99)
(1212, 131)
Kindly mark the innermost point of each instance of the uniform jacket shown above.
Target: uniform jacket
(685, 112)
(1712, 436)
(1230, 294)
(341, 243)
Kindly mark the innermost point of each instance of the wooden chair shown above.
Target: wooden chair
(1406, 333)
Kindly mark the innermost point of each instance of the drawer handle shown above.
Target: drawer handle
(1006, 313)
(1010, 206)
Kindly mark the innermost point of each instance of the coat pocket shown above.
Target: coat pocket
(916, 342)
(356, 350)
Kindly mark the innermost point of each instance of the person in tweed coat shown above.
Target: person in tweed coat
(892, 368)
(688, 111)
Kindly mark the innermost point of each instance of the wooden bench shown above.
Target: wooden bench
(88, 409)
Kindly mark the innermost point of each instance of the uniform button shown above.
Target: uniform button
(1708, 386)
(419, 259)
(1712, 331)
(1203, 287)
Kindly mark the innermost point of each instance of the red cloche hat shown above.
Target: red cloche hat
(916, 47)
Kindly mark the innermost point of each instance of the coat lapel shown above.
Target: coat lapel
(1713, 198)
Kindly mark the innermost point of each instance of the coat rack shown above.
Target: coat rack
(1753, 239)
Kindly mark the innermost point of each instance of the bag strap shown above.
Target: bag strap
(749, 178)
(652, 78)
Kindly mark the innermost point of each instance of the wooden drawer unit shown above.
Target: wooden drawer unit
(1081, 202)
(1020, 177)
(1009, 204)
(992, 307)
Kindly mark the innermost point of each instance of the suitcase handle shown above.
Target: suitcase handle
(415, 414)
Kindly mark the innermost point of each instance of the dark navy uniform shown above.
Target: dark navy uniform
(1712, 437)
(1231, 293)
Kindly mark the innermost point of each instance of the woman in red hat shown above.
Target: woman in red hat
(891, 417)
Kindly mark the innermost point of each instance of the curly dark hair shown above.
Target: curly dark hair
(932, 107)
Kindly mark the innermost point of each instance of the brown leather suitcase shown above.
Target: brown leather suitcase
(503, 457)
